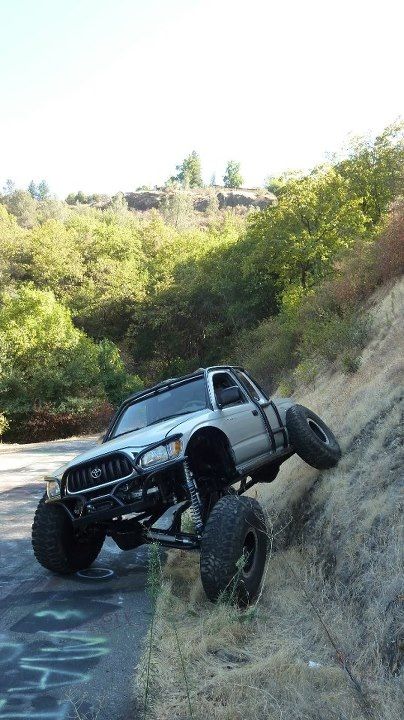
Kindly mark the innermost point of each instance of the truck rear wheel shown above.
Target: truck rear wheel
(312, 438)
(233, 550)
(55, 544)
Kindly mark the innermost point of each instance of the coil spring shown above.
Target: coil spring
(193, 493)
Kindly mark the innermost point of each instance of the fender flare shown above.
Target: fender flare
(211, 431)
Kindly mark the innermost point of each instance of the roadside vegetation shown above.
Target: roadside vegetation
(96, 302)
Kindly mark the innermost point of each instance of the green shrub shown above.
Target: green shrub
(268, 350)
(306, 372)
(328, 335)
(351, 363)
(286, 387)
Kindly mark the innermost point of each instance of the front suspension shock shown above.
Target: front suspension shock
(194, 496)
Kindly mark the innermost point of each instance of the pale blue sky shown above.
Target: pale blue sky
(105, 95)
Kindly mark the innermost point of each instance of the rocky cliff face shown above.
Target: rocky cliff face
(144, 200)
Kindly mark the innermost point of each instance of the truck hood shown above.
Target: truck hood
(137, 440)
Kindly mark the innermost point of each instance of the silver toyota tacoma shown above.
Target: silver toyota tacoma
(195, 443)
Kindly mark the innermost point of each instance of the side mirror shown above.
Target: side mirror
(229, 396)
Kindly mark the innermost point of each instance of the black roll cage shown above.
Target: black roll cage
(176, 382)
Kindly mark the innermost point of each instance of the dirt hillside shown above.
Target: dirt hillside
(323, 641)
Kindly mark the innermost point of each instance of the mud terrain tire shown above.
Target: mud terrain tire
(235, 528)
(55, 545)
(312, 438)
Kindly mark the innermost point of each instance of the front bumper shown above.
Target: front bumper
(136, 492)
(102, 513)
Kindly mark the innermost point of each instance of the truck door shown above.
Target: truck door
(258, 395)
(242, 422)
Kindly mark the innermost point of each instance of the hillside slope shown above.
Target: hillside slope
(323, 640)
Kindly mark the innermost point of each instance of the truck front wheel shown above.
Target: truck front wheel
(233, 550)
(56, 546)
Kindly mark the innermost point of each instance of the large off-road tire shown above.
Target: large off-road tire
(312, 438)
(56, 546)
(233, 550)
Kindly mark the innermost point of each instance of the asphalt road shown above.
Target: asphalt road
(68, 646)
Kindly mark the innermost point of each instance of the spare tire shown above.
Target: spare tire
(312, 439)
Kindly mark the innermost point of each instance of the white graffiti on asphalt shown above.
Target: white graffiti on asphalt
(63, 663)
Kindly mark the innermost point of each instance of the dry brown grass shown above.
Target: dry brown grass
(335, 570)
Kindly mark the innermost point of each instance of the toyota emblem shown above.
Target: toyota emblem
(95, 473)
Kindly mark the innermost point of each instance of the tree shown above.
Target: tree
(81, 198)
(45, 360)
(40, 191)
(315, 219)
(11, 247)
(375, 170)
(119, 204)
(51, 209)
(9, 187)
(232, 177)
(212, 207)
(43, 190)
(189, 172)
(55, 258)
(33, 190)
(277, 183)
(20, 204)
(177, 208)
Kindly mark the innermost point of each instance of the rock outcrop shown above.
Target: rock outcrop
(144, 200)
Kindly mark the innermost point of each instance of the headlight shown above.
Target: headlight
(162, 453)
(52, 488)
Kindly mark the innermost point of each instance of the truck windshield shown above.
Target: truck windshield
(169, 403)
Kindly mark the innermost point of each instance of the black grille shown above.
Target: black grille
(109, 468)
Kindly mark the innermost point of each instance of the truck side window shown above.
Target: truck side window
(222, 380)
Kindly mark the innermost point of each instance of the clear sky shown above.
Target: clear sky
(105, 95)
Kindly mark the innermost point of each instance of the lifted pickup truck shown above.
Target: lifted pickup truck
(196, 443)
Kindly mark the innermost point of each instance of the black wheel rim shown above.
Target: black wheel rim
(249, 552)
(318, 431)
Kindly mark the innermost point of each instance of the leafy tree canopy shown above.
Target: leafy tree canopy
(40, 191)
(23, 206)
(375, 170)
(316, 218)
(45, 359)
(232, 177)
(189, 173)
